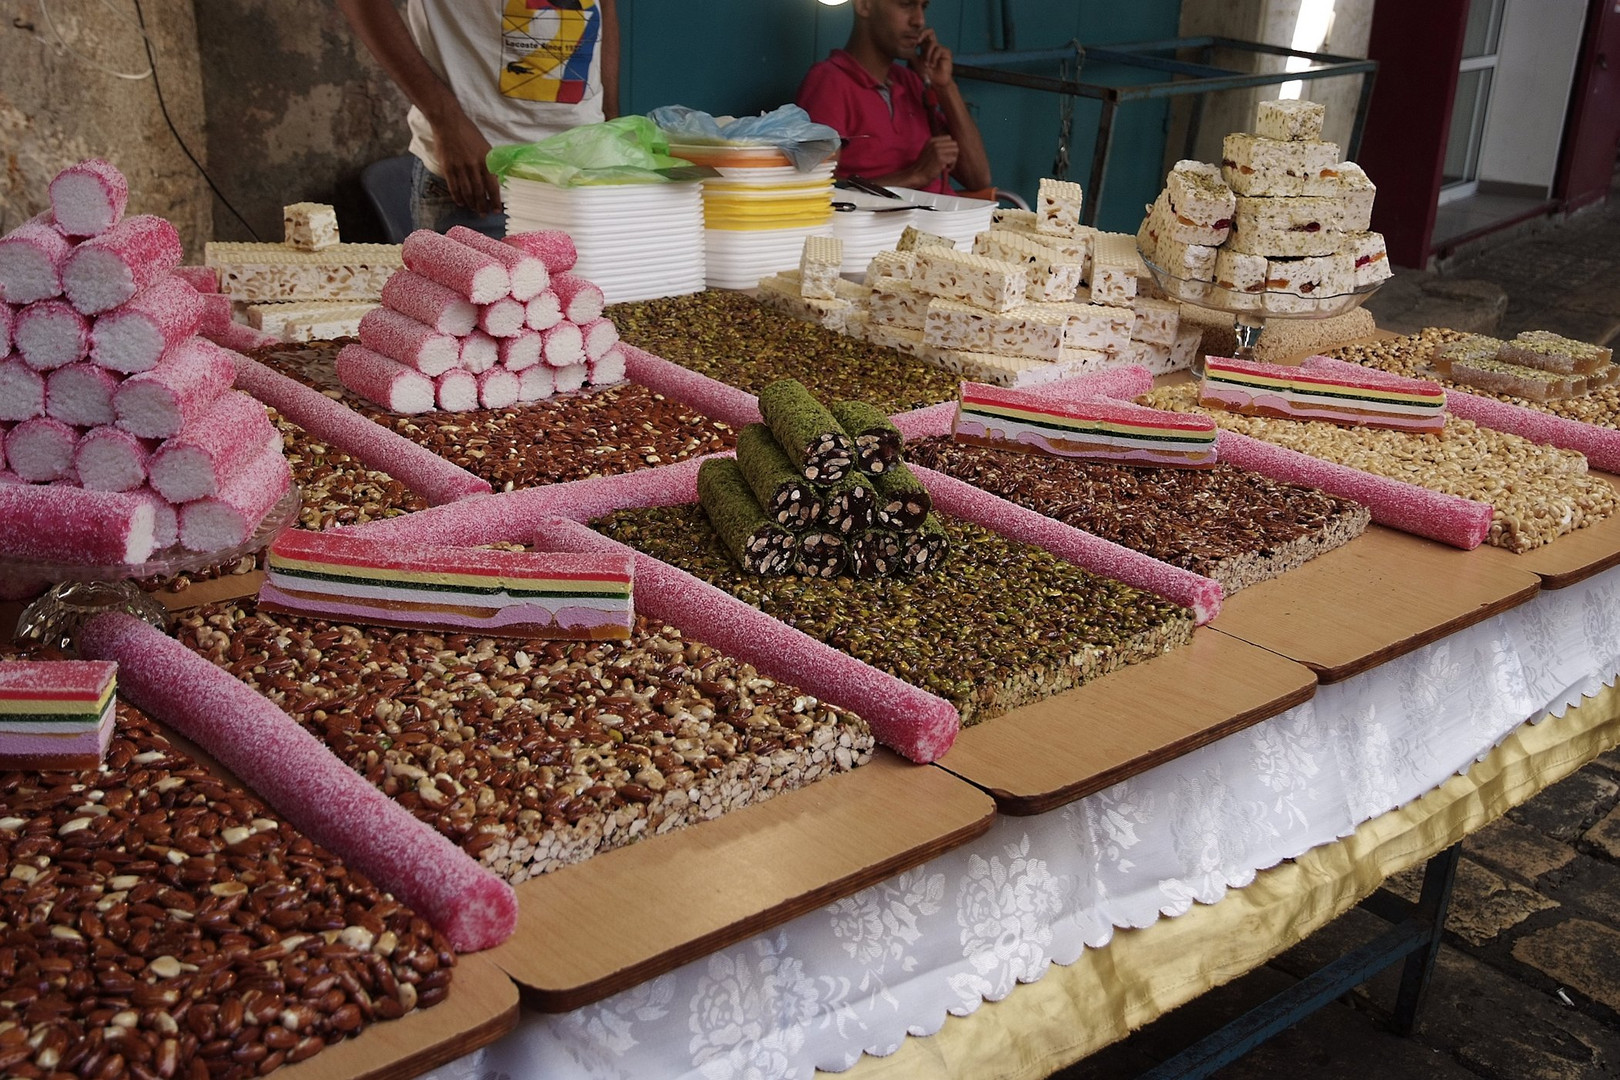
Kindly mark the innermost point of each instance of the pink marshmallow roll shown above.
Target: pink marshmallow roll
(607, 369)
(110, 459)
(528, 273)
(502, 319)
(8, 318)
(553, 247)
(4, 430)
(240, 338)
(205, 279)
(471, 274)
(159, 403)
(600, 335)
(497, 389)
(379, 448)
(543, 312)
(81, 394)
(457, 391)
(927, 421)
(403, 339)
(31, 258)
(134, 336)
(521, 352)
(430, 303)
(89, 198)
(384, 382)
(581, 301)
(68, 524)
(1122, 383)
(165, 518)
(570, 378)
(229, 516)
(292, 771)
(479, 352)
(535, 383)
(49, 334)
(215, 446)
(1600, 445)
(711, 397)
(41, 450)
(110, 269)
(217, 313)
(22, 391)
(562, 345)
(902, 717)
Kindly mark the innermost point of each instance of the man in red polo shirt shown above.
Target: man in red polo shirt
(905, 126)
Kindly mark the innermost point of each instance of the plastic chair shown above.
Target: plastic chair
(387, 184)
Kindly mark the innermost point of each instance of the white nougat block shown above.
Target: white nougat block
(1297, 285)
(1199, 201)
(783, 292)
(1353, 193)
(1112, 284)
(1151, 355)
(1251, 165)
(1156, 321)
(1184, 350)
(818, 267)
(258, 273)
(1367, 254)
(897, 303)
(1099, 327)
(1057, 206)
(970, 279)
(1290, 120)
(1051, 276)
(915, 239)
(891, 264)
(1021, 332)
(309, 226)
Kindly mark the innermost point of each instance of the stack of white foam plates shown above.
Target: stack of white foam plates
(758, 211)
(874, 225)
(635, 241)
(952, 216)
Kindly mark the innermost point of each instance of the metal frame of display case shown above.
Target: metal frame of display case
(1195, 78)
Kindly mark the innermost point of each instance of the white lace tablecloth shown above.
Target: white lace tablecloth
(860, 974)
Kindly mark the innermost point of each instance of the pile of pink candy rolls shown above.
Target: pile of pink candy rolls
(472, 323)
(120, 434)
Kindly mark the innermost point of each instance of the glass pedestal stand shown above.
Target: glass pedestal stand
(79, 592)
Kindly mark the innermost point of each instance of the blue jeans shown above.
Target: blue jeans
(433, 208)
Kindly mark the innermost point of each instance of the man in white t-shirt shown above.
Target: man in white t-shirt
(483, 72)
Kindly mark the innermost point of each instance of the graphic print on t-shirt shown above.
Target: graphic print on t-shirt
(546, 49)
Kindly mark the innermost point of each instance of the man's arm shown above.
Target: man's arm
(610, 59)
(972, 166)
(460, 145)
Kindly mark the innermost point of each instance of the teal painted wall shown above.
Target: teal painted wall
(745, 56)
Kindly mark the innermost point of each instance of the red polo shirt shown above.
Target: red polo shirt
(884, 137)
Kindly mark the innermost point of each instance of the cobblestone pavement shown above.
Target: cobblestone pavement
(1528, 983)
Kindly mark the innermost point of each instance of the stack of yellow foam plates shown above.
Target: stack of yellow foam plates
(758, 211)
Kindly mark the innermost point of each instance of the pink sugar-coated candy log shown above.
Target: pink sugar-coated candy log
(109, 459)
(553, 247)
(205, 279)
(81, 394)
(925, 422)
(218, 313)
(5, 429)
(165, 518)
(31, 258)
(1194, 591)
(414, 344)
(528, 273)
(608, 369)
(497, 389)
(89, 198)
(600, 335)
(543, 312)
(417, 467)
(1462, 523)
(216, 445)
(711, 397)
(158, 403)
(134, 336)
(904, 718)
(479, 352)
(41, 450)
(382, 381)
(535, 383)
(456, 391)
(1121, 383)
(240, 337)
(49, 334)
(521, 352)
(230, 515)
(1600, 445)
(562, 345)
(305, 783)
(69, 524)
(430, 303)
(502, 319)
(22, 391)
(109, 269)
(570, 378)
(470, 273)
(581, 301)
(8, 318)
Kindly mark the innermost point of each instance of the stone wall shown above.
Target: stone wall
(60, 101)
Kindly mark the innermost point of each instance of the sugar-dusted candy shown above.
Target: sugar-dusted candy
(570, 378)
(158, 403)
(31, 258)
(469, 272)
(205, 279)
(110, 459)
(1290, 120)
(456, 390)
(109, 269)
(231, 514)
(581, 301)
(528, 273)
(1600, 445)
(8, 318)
(520, 352)
(41, 450)
(563, 345)
(309, 226)
(497, 389)
(599, 336)
(134, 336)
(81, 394)
(428, 302)
(165, 518)
(238, 337)
(553, 247)
(22, 391)
(322, 797)
(502, 319)
(479, 352)
(218, 313)
(56, 714)
(386, 382)
(543, 312)
(1340, 393)
(50, 333)
(89, 198)
(607, 369)
(536, 383)
(61, 523)
(707, 395)
(211, 448)
(406, 341)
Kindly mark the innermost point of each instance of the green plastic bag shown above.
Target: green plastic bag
(629, 150)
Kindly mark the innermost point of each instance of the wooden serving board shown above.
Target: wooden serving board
(587, 931)
(481, 1007)
(1043, 755)
(1573, 557)
(1380, 596)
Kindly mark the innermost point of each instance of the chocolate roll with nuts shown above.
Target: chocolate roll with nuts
(786, 497)
(903, 503)
(877, 442)
(806, 431)
(821, 555)
(875, 553)
(847, 507)
(759, 545)
(926, 548)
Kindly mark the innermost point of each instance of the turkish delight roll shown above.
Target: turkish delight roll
(553, 247)
(31, 258)
(875, 553)
(386, 382)
(563, 345)
(878, 442)
(786, 496)
(108, 270)
(22, 391)
(205, 279)
(848, 506)
(158, 403)
(501, 319)
(809, 435)
(56, 714)
(599, 335)
(8, 319)
(821, 555)
(414, 344)
(480, 352)
(89, 198)
(108, 459)
(609, 368)
(428, 302)
(211, 448)
(470, 273)
(570, 378)
(309, 226)
(903, 503)
(759, 545)
(69, 524)
(520, 352)
(535, 383)
(543, 312)
(1057, 206)
(528, 272)
(41, 450)
(134, 336)
(165, 518)
(924, 548)
(497, 388)
(581, 301)
(1548, 351)
(230, 515)
(81, 394)
(1290, 120)
(456, 390)
(49, 333)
